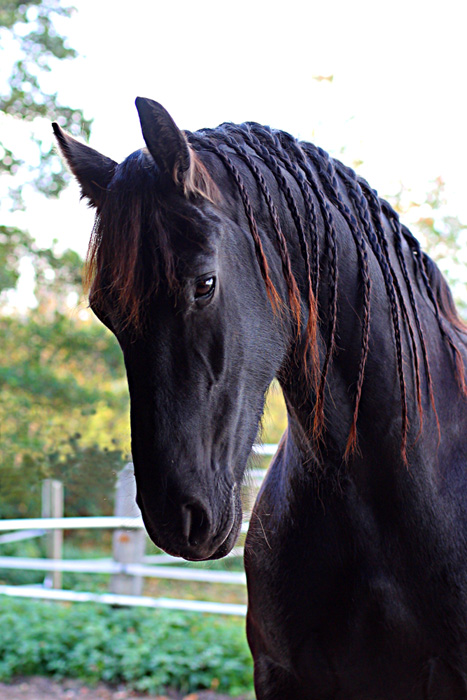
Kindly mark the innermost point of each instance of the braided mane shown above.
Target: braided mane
(319, 179)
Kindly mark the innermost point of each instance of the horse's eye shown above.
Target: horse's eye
(205, 288)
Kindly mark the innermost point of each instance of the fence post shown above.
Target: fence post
(52, 507)
(128, 545)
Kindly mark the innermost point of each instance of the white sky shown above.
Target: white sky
(397, 101)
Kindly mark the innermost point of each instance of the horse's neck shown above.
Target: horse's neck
(380, 410)
(400, 305)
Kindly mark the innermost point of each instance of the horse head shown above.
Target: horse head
(174, 275)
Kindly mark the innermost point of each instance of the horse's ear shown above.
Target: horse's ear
(166, 143)
(92, 170)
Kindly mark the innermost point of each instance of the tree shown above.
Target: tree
(27, 31)
(32, 44)
(61, 374)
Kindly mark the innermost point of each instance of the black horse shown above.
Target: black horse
(221, 259)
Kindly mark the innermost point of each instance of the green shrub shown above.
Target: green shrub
(147, 649)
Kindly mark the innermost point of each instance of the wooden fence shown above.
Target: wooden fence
(128, 566)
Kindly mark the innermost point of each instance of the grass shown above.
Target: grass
(149, 650)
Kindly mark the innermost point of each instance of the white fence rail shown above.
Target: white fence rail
(103, 522)
(82, 523)
(125, 572)
(18, 536)
(91, 566)
(125, 600)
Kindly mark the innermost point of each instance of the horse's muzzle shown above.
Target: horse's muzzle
(191, 530)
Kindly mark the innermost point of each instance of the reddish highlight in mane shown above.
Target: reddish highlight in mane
(122, 277)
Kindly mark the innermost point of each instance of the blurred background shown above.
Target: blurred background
(378, 85)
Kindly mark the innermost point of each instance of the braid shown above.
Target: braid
(329, 177)
(421, 265)
(263, 152)
(274, 297)
(312, 276)
(378, 242)
(375, 208)
(396, 227)
(276, 141)
(293, 293)
(289, 144)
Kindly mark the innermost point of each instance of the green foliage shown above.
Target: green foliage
(14, 244)
(56, 275)
(442, 235)
(27, 28)
(89, 476)
(147, 649)
(64, 398)
(25, 548)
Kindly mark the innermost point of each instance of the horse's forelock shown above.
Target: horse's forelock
(130, 248)
(124, 263)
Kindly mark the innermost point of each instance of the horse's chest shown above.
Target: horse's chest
(370, 642)
(343, 643)
(338, 624)
(337, 638)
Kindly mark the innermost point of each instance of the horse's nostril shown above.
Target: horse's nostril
(195, 523)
